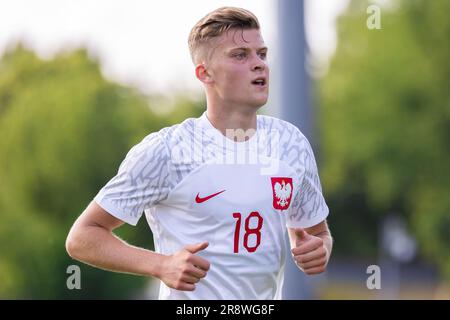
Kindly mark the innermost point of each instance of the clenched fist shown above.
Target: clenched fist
(184, 269)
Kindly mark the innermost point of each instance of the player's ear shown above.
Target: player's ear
(202, 73)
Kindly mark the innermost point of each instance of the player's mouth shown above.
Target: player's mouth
(260, 82)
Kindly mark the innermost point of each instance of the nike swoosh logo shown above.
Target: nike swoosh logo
(198, 199)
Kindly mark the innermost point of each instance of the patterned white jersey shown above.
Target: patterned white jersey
(196, 185)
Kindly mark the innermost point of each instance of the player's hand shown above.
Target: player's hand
(310, 253)
(184, 269)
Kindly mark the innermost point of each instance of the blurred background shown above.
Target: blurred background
(81, 82)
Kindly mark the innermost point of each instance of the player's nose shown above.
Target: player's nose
(258, 64)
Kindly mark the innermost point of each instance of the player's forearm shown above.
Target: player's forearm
(99, 247)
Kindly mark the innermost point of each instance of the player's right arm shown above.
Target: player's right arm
(92, 241)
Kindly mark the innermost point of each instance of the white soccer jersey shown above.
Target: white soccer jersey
(195, 185)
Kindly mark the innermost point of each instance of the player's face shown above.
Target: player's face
(239, 69)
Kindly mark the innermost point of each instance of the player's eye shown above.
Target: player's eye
(263, 55)
(240, 55)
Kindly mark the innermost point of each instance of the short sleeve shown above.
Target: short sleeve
(141, 181)
(309, 207)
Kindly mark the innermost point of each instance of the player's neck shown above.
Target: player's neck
(224, 120)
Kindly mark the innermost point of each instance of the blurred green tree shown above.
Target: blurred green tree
(64, 131)
(385, 124)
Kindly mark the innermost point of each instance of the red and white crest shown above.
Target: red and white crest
(282, 192)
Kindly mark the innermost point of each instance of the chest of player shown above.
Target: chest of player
(218, 190)
(239, 209)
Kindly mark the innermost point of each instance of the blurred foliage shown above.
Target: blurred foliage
(64, 131)
(385, 123)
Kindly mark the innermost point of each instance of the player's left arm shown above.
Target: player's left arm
(311, 247)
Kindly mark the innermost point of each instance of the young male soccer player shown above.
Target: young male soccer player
(219, 191)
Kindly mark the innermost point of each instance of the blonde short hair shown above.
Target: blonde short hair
(215, 23)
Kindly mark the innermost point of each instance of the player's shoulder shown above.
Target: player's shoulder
(285, 129)
(177, 132)
(168, 137)
(165, 134)
(291, 144)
